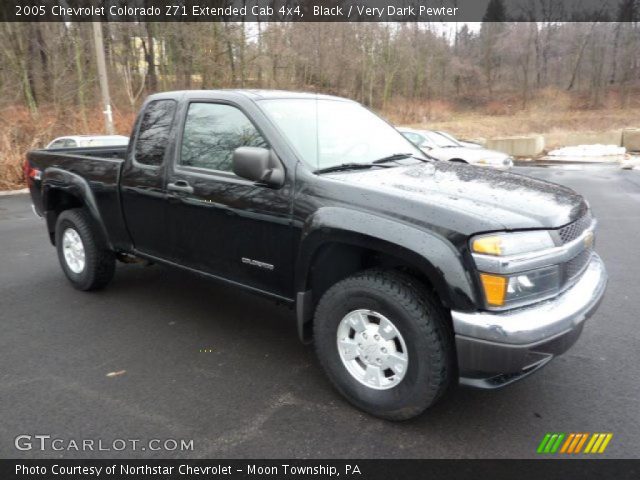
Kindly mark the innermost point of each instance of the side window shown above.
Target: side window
(153, 134)
(57, 144)
(212, 132)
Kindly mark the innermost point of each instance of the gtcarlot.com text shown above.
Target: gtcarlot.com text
(44, 443)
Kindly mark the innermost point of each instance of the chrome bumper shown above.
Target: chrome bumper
(498, 348)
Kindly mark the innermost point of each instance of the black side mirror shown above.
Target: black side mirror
(259, 165)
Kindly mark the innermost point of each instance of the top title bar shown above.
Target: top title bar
(320, 10)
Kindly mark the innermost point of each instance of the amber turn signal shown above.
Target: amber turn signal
(495, 288)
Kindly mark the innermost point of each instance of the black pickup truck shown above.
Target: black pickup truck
(408, 274)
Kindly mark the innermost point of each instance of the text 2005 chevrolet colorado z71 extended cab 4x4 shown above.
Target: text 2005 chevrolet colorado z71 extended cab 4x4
(408, 274)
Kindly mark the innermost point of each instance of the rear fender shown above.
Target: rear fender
(55, 181)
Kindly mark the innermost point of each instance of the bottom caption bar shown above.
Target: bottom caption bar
(292, 469)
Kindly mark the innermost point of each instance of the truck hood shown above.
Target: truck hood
(504, 200)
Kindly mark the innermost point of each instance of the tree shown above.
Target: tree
(493, 25)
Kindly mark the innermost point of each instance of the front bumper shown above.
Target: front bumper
(495, 349)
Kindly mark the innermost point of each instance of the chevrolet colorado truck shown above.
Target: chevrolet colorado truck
(408, 274)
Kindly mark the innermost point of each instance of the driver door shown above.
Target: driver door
(222, 224)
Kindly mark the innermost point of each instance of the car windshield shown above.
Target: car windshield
(327, 133)
(435, 139)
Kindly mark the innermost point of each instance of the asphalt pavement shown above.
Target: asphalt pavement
(164, 355)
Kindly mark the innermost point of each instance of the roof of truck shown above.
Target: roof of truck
(248, 93)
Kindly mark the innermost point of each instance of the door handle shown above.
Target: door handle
(180, 186)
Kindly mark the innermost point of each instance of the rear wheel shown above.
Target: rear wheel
(82, 251)
(383, 342)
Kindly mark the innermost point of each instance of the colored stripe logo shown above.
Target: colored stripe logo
(574, 443)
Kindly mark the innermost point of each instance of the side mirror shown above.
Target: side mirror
(260, 165)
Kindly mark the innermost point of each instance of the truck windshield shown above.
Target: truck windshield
(327, 133)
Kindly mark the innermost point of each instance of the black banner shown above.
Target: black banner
(297, 469)
(320, 10)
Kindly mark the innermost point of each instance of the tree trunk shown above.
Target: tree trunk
(576, 67)
(80, 76)
(150, 57)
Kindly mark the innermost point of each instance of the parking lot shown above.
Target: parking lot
(197, 360)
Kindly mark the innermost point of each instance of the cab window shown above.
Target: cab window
(211, 134)
(153, 134)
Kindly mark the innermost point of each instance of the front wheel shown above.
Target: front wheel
(383, 342)
(83, 252)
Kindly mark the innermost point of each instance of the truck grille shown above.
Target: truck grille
(574, 267)
(575, 229)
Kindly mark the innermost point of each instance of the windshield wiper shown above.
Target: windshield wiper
(402, 156)
(392, 158)
(375, 163)
(349, 166)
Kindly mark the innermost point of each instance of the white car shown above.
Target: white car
(89, 141)
(461, 142)
(445, 147)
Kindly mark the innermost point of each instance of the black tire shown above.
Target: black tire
(100, 262)
(420, 320)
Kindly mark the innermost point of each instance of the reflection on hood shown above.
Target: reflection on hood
(515, 200)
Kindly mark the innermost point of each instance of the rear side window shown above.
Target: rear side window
(212, 132)
(153, 134)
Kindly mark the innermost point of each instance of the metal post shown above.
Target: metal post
(102, 75)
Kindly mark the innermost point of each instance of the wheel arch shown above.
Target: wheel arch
(63, 190)
(338, 242)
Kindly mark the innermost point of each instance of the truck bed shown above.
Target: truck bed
(99, 167)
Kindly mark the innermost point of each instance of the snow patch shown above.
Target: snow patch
(580, 151)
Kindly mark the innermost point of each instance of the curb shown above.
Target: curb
(14, 192)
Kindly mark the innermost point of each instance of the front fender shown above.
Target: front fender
(58, 180)
(430, 253)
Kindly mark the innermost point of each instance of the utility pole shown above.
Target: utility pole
(102, 75)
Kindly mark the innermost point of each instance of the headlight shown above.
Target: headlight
(503, 244)
(520, 288)
(515, 289)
